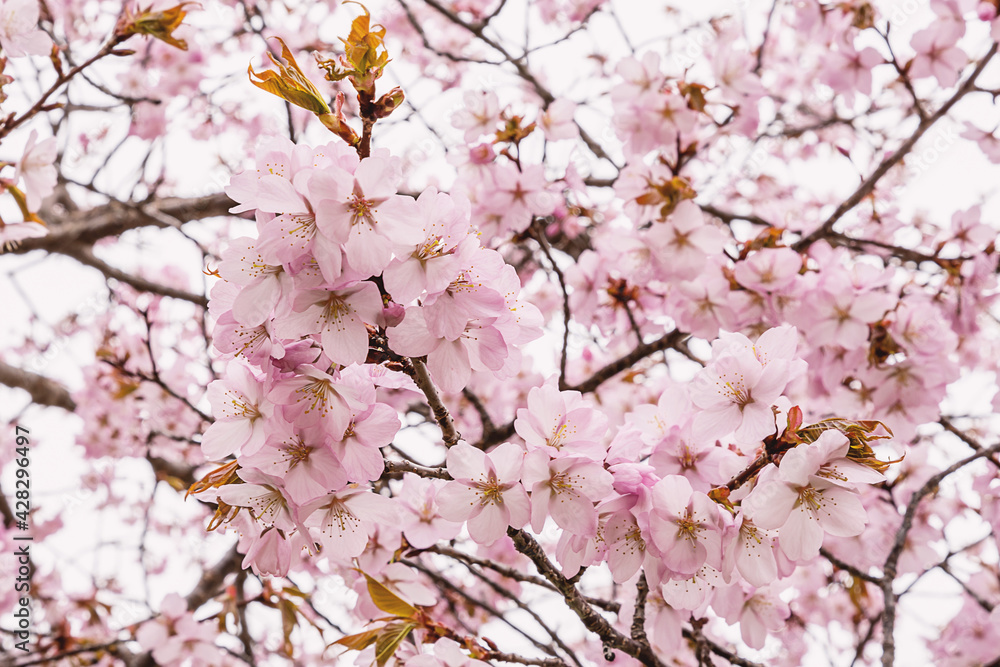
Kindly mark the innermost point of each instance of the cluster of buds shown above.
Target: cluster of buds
(157, 24)
(362, 63)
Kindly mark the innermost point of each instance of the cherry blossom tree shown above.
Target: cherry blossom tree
(476, 332)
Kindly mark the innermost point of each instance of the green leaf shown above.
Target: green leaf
(360, 641)
(289, 83)
(288, 622)
(389, 640)
(388, 601)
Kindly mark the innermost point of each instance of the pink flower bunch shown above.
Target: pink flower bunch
(341, 257)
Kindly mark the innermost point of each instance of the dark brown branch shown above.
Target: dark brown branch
(511, 573)
(624, 363)
(966, 438)
(892, 561)
(903, 254)
(6, 512)
(441, 415)
(602, 375)
(85, 255)
(503, 592)
(848, 568)
(638, 630)
(729, 656)
(484, 416)
(397, 468)
(593, 621)
(868, 185)
(43, 390)
(544, 243)
(521, 66)
(114, 218)
(444, 583)
(511, 657)
(727, 216)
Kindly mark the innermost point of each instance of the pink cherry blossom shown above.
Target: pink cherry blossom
(566, 489)
(35, 167)
(301, 457)
(358, 449)
(561, 422)
(19, 33)
(685, 526)
(811, 493)
(339, 316)
(480, 116)
(241, 410)
(557, 121)
(487, 492)
(369, 215)
(345, 519)
(518, 196)
(937, 56)
(735, 393)
(439, 258)
(426, 525)
(314, 397)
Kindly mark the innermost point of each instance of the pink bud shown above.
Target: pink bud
(393, 313)
(482, 154)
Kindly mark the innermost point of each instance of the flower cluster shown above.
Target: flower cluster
(340, 262)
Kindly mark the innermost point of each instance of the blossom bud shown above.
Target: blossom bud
(388, 102)
(289, 83)
(160, 24)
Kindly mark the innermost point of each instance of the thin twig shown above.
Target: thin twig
(892, 561)
(868, 185)
(441, 415)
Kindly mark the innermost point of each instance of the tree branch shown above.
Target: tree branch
(43, 390)
(85, 255)
(114, 218)
(892, 561)
(868, 185)
(441, 415)
(593, 621)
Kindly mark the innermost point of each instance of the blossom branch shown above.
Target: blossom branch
(43, 390)
(514, 574)
(890, 569)
(640, 352)
(85, 255)
(115, 217)
(10, 123)
(484, 416)
(444, 582)
(397, 468)
(965, 437)
(593, 621)
(500, 590)
(567, 316)
(510, 657)
(602, 375)
(638, 630)
(441, 415)
(848, 568)
(868, 185)
(732, 658)
(522, 71)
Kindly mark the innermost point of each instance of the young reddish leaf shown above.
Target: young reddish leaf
(359, 641)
